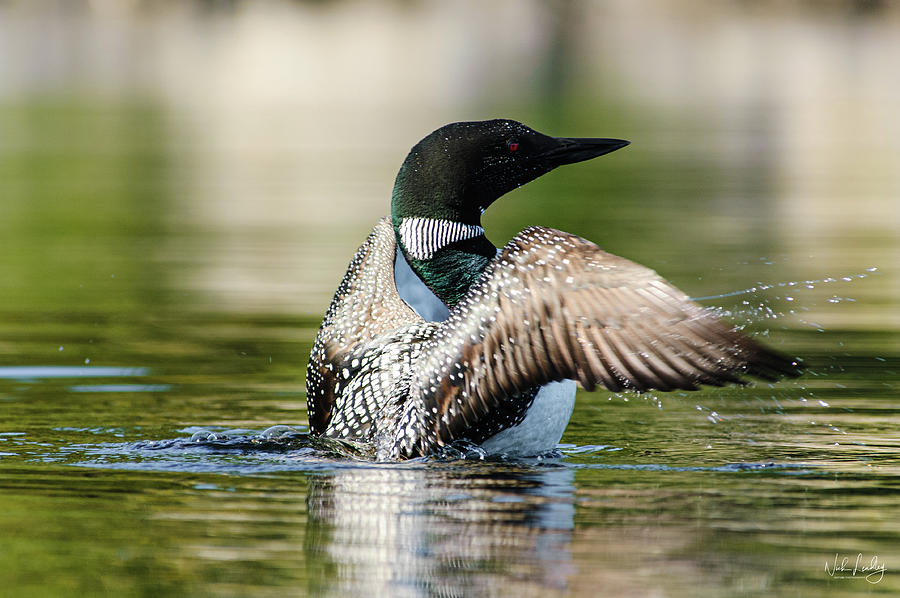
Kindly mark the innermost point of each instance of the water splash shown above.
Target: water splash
(751, 311)
(808, 284)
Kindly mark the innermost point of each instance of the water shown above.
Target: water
(131, 452)
(165, 263)
(111, 483)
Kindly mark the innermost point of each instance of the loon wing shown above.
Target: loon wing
(553, 306)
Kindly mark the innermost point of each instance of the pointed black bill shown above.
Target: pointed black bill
(569, 150)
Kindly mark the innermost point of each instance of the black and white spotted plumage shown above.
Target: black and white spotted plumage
(550, 306)
(365, 307)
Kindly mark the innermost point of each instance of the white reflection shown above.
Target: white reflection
(41, 372)
(474, 531)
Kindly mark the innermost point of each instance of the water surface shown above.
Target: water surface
(166, 265)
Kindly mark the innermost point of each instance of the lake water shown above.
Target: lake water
(164, 271)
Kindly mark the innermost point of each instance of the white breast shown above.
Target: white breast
(543, 426)
(416, 293)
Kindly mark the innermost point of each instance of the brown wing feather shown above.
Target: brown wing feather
(552, 306)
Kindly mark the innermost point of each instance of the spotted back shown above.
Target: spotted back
(365, 307)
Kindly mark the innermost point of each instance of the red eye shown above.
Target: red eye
(512, 146)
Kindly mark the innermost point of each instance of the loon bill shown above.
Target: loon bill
(435, 336)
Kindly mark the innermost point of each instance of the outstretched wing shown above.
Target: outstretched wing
(553, 306)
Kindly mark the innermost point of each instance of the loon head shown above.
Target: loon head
(451, 177)
(459, 170)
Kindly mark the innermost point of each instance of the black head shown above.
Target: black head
(457, 171)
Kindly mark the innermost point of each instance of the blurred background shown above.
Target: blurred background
(182, 184)
(228, 155)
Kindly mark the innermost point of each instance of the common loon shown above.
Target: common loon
(434, 335)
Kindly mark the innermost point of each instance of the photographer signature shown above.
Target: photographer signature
(871, 570)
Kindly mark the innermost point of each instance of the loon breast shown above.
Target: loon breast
(416, 293)
(543, 426)
(547, 417)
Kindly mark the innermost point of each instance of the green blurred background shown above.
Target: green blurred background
(182, 185)
(230, 155)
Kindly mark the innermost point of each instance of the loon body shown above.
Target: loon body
(546, 418)
(434, 335)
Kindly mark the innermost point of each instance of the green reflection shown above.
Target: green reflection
(196, 228)
(83, 185)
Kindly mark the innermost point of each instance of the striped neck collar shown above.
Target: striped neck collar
(422, 237)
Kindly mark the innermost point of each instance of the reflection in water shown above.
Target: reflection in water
(180, 189)
(44, 371)
(444, 531)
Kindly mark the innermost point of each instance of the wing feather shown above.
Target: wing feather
(552, 306)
